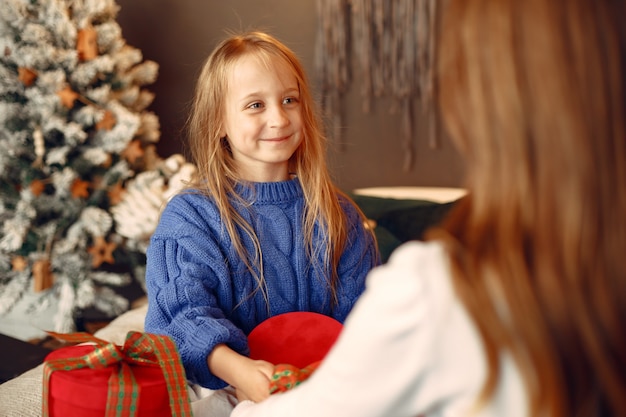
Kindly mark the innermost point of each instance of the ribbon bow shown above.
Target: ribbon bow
(123, 391)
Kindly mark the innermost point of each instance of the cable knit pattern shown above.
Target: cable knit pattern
(201, 293)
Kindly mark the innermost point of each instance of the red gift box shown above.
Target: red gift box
(142, 378)
(299, 338)
(295, 343)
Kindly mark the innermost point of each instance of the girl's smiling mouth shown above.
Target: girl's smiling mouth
(277, 139)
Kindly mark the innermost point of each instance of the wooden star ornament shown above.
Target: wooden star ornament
(101, 251)
(87, 44)
(26, 76)
(19, 263)
(116, 193)
(133, 151)
(107, 122)
(67, 96)
(80, 188)
(37, 187)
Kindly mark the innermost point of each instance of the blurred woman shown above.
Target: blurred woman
(516, 306)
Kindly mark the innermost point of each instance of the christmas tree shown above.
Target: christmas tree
(78, 165)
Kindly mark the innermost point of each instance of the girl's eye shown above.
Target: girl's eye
(290, 100)
(255, 106)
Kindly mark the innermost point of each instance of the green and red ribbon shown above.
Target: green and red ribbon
(123, 390)
(286, 376)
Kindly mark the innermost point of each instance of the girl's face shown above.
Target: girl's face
(263, 121)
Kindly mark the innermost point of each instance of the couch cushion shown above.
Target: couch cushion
(400, 220)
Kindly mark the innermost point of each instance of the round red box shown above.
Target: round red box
(298, 338)
(83, 392)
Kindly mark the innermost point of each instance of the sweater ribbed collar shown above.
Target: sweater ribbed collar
(270, 192)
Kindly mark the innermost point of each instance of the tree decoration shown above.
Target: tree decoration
(19, 263)
(133, 151)
(79, 188)
(115, 193)
(76, 142)
(67, 97)
(107, 122)
(37, 187)
(101, 251)
(27, 76)
(42, 275)
(87, 44)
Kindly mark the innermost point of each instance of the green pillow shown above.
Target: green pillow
(387, 242)
(400, 220)
(411, 223)
(374, 207)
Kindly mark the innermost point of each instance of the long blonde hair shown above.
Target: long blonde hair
(216, 173)
(534, 94)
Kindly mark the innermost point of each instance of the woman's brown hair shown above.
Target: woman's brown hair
(533, 92)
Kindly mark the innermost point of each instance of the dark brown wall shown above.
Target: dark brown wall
(179, 34)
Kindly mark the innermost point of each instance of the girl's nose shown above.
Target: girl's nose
(278, 117)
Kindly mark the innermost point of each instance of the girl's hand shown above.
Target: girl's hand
(251, 378)
(253, 383)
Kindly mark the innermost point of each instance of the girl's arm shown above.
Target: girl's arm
(190, 287)
(250, 377)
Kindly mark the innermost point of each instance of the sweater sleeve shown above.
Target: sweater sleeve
(185, 269)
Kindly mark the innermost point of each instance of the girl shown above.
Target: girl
(517, 306)
(263, 230)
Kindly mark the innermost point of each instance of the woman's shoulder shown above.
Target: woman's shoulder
(416, 269)
(420, 253)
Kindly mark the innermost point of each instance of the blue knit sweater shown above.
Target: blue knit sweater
(201, 293)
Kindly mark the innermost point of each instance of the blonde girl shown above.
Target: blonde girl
(263, 230)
